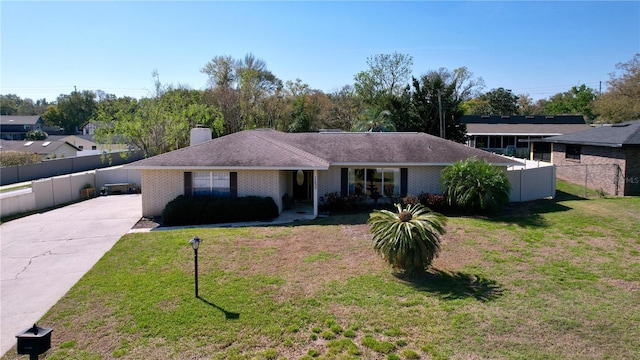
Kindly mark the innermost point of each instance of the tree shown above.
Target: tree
(622, 100)
(498, 101)
(475, 185)
(577, 101)
(386, 77)
(239, 88)
(436, 101)
(158, 124)
(344, 110)
(409, 238)
(374, 120)
(12, 104)
(71, 111)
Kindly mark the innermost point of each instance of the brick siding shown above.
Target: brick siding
(602, 168)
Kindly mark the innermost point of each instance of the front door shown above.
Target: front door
(302, 185)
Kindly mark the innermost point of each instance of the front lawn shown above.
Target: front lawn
(549, 280)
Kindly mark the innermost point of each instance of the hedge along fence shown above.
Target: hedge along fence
(198, 210)
(64, 189)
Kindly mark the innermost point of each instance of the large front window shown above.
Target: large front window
(374, 182)
(214, 183)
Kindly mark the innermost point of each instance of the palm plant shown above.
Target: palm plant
(374, 120)
(409, 239)
(475, 185)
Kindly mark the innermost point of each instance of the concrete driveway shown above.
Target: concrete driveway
(44, 255)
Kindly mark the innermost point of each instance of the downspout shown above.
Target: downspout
(315, 193)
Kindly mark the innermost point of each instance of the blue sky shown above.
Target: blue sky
(539, 48)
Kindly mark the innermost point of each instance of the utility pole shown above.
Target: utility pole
(440, 114)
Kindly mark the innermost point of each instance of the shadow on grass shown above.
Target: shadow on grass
(454, 285)
(357, 218)
(565, 196)
(227, 314)
(529, 214)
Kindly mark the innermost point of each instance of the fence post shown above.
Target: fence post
(586, 172)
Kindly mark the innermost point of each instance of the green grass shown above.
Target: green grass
(552, 280)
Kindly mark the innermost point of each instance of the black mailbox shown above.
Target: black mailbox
(34, 341)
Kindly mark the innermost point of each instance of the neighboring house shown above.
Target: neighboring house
(302, 166)
(88, 145)
(89, 128)
(511, 135)
(79, 141)
(46, 148)
(604, 158)
(16, 127)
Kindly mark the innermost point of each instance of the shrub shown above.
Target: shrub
(198, 210)
(475, 185)
(409, 239)
(11, 158)
(435, 202)
(335, 202)
(36, 135)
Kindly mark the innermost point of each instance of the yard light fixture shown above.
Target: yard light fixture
(195, 243)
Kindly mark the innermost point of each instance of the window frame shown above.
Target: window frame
(572, 151)
(211, 183)
(383, 176)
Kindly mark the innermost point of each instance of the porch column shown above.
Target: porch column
(315, 193)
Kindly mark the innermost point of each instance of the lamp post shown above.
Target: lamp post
(195, 243)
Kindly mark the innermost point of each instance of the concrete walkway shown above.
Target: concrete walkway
(43, 255)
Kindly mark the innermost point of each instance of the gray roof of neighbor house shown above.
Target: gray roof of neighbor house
(41, 147)
(270, 149)
(18, 120)
(616, 135)
(530, 125)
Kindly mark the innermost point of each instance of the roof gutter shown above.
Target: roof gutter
(141, 167)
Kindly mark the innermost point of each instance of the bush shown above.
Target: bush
(335, 202)
(198, 210)
(12, 158)
(36, 135)
(475, 185)
(435, 202)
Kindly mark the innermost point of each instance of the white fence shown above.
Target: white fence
(532, 180)
(63, 189)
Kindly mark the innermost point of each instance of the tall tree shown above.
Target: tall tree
(436, 101)
(158, 124)
(239, 88)
(498, 101)
(71, 111)
(622, 100)
(386, 77)
(577, 101)
(344, 110)
(12, 104)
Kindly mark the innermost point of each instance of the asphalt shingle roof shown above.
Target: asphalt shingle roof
(538, 125)
(617, 135)
(42, 147)
(18, 120)
(270, 149)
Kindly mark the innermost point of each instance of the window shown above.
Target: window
(214, 183)
(572, 152)
(374, 183)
